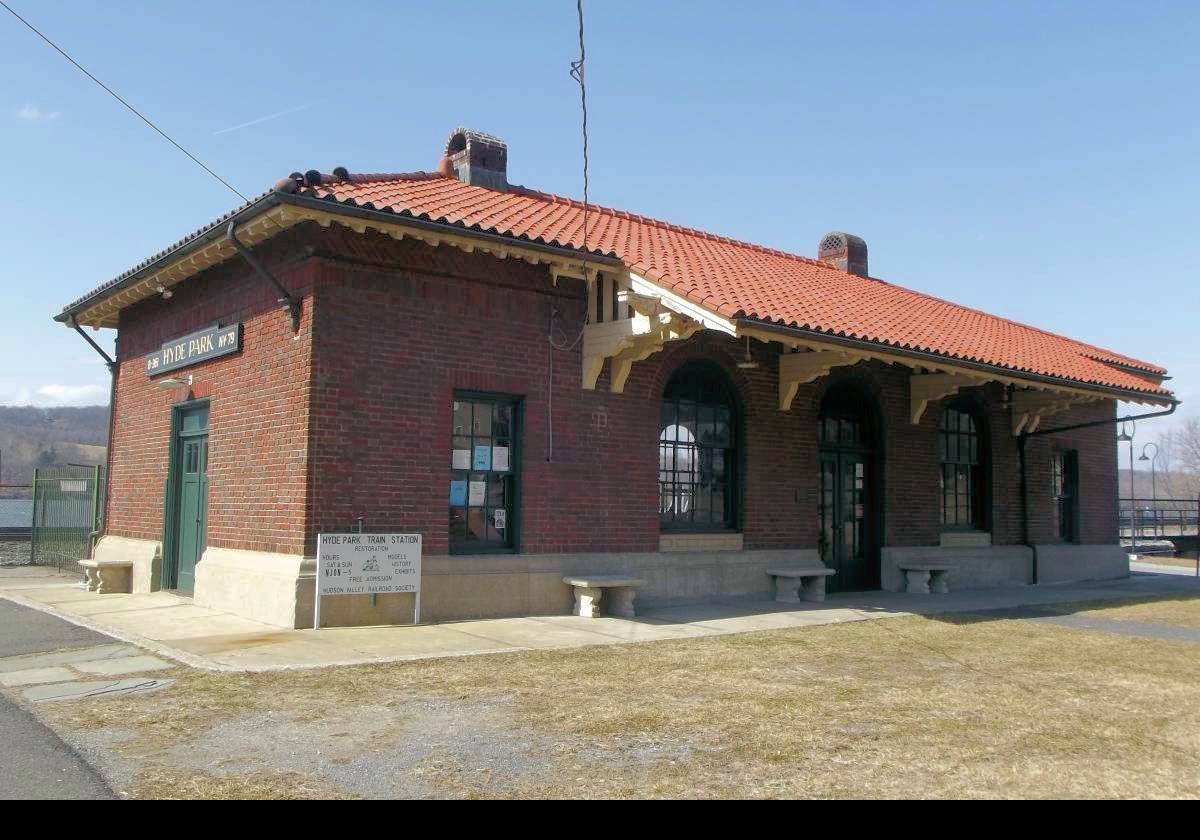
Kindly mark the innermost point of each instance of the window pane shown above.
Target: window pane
(476, 526)
(462, 418)
(705, 423)
(458, 523)
(483, 419)
(503, 421)
(495, 492)
(666, 423)
(687, 422)
(723, 433)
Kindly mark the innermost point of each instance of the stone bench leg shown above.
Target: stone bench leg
(939, 583)
(918, 581)
(587, 601)
(786, 590)
(620, 601)
(813, 588)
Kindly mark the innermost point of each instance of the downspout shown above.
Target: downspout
(112, 366)
(1024, 436)
(285, 297)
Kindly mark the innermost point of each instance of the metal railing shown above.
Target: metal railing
(1159, 518)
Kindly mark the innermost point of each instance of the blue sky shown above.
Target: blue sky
(1032, 159)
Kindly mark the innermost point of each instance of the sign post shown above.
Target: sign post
(367, 564)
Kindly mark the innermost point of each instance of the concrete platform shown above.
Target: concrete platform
(176, 628)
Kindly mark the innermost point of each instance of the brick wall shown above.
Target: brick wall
(391, 329)
(258, 408)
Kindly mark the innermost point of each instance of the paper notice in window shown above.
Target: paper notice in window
(483, 458)
(477, 494)
(500, 460)
(458, 493)
(501, 518)
(461, 459)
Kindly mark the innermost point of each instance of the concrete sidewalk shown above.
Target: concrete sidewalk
(175, 627)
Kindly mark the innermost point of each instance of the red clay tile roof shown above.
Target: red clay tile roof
(739, 279)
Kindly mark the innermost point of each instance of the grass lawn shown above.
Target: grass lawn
(1179, 612)
(905, 707)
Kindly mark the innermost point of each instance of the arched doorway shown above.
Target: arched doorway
(849, 501)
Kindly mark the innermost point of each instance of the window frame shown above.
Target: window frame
(1064, 467)
(979, 472)
(733, 460)
(516, 405)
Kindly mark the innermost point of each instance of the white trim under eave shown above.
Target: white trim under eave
(680, 304)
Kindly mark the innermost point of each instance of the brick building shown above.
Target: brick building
(438, 353)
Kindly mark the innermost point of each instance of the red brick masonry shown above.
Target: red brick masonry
(352, 416)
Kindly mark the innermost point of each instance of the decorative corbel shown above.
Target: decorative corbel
(627, 341)
(796, 369)
(925, 388)
(1030, 406)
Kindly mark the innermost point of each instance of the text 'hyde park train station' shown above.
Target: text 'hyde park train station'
(449, 355)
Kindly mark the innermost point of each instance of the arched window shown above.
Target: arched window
(697, 450)
(963, 453)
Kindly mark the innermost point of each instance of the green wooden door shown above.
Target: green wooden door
(192, 519)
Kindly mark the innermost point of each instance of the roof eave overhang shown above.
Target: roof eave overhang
(75, 312)
(935, 361)
(275, 212)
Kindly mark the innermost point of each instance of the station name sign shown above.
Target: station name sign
(194, 348)
(367, 564)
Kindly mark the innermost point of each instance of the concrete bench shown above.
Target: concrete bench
(923, 578)
(105, 577)
(794, 585)
(590, 589)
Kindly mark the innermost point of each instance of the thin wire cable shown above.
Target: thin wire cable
(117, 97)
(578, 74)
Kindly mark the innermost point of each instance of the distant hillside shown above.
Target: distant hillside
(35, 437)
(1174, 485)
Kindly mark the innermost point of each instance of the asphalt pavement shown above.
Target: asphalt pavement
(34, 762)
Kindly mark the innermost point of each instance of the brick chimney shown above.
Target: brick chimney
(845, 251)
(476, 158)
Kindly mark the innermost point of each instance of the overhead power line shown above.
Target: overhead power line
(117, 97)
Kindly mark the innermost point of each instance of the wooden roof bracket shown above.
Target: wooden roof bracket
(796, 369)
(629, 340)
(925, 388)
(1029, 406)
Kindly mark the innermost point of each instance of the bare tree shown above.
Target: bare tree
(1187, 444)
(1165, 461)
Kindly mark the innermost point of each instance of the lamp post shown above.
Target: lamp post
(1128, 436)
(1153, 492)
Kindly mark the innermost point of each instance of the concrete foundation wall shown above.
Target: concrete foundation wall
(1059, 563)
(254, 584)
(975, 567)
(277, 589)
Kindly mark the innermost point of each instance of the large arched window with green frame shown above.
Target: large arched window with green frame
(698, 450)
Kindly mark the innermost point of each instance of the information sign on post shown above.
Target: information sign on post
(367, 564)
